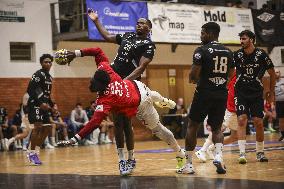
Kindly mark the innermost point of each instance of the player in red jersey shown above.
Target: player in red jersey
(123, 96)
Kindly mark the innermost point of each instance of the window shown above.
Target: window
(22, 51)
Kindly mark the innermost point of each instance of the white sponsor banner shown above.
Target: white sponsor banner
(181, 23)
(12, 11)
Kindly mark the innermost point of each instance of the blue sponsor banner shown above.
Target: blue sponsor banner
(116, 17)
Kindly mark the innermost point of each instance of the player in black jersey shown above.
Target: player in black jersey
(251, 64)
(39, 103)
(211, 68)
(135, 52)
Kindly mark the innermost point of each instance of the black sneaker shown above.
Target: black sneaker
(261, 157)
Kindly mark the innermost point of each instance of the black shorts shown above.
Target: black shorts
(203, 105)
(280, 109)
(250, 106)
(36, 114)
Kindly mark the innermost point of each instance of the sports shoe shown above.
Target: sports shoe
(242, 158)
(221, 168)
(201, 155)
(180, 162)
(186, 169)
(131, 164)
(281, 139)
(218, 162)
(261, 157)
(8, 143)
(49, 146)
(33, 158)
(64, 143)
(210, 154)
(166, 103)
(123, 168)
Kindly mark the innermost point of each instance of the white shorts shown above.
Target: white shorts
(146, 111)
(25, 123)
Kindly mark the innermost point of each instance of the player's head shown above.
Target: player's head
(247, 38)
(46, 61)
(100, 81)
(143, 26)
(210, 32)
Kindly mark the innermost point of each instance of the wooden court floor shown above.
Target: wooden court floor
(97, 167)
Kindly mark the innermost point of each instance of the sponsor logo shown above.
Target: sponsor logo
(166, 24)
(197, 56)
(215, 16)
(218, 80)
(99, 108)
(265, 17)
(108, 12)
(211, 50)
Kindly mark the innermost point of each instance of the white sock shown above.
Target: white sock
(102, 137)
(66, 138)
(259, 146)
(211, 147)
(131, 154)
(206, 145)
(242, 146)
(219, 149)
(180, 153)
(120, 152)
(188, 155)
(52, 140)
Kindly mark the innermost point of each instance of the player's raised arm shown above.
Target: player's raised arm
(64, 56)
(93, 15)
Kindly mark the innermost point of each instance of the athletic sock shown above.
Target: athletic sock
(120, 152)
(242, 146)
(131, 154)
(188, 155)
(259, 146)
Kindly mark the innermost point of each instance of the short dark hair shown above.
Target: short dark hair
(100, 81)
(44, 56)
(212, 27)
(149, 23)
(248, 33)
(78, 104)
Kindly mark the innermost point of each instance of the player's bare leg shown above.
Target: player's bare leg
(258, 123)
(241, 131)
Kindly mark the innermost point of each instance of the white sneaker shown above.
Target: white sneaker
(201, 155)
(25, 148)
(123, 168)
(210, 154)
(88, 142)
(166, 103)
(49, 146)
(186, 169)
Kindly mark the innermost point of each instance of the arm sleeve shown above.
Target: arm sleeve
(197, 57)
(86, 119)
(97, 53)
(34, 89)
(149, 51)
(92, 124)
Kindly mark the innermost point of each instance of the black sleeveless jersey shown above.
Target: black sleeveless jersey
(215, 60)
(39, 88)
(131, 49)
(250, 70)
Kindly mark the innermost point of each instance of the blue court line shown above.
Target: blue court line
(250, 143)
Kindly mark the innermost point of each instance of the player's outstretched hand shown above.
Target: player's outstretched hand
(63, 56)
(93, 15)
(64, 143)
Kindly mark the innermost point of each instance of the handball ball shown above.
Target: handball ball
(60, 57)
